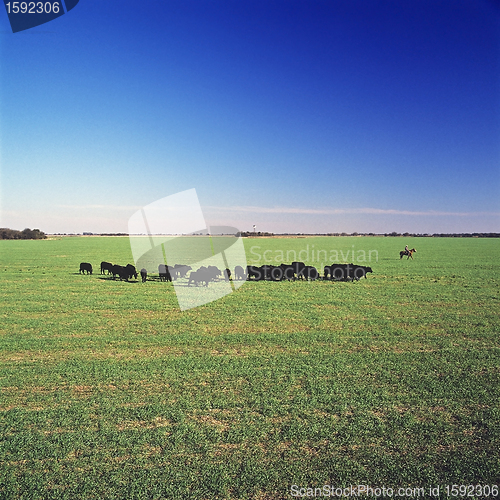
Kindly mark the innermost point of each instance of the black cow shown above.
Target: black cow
(255, 272)
(288, 272)
(328, 270)
(106, 266)
(120, 271)
(239, 273)
(298, 268)
(275, 273)
(144, 274)
(164, 272)
(124, 272)
(310, 273)
(85, 267)
(214, 272)
(346, 272)
(272, 273)
(117, 270)
(179, 271)
(197, 277)
(172, 275)
(131, 271)
(183, 270)
(360, 271)
(266, 272)
(338, 272)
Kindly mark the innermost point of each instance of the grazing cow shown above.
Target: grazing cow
(255, 272)
(179, 271)
(288, 272)
(131, 271)
(335, 272)
(328, 272)
(360, 271)
(106, 266)
(239, 273)
(197, 277)
(346, 272)
(124, 272)
(298, 268)
(310, 273)
(85, 267)
(266, 271)
(144, 274)
(214, 272)
(340, 272)
(269, 272)
(171, 272)
(164, 272)
(275, 273)
(183, 270)
(117, 270)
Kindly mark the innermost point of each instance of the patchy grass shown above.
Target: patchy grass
(108, 390)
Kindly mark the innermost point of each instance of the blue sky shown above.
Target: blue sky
(296, 116)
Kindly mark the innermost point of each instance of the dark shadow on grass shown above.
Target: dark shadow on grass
(117, 279)
(185, 285)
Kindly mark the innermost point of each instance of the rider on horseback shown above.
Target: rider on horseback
(407, 252)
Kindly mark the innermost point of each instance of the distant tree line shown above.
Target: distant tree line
(25, 234)
(86, 233)
(447, 235)
(253, 233)
(393, 234)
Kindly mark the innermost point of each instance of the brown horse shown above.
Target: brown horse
(409, 253)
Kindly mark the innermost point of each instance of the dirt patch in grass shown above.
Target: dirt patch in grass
(211, 421)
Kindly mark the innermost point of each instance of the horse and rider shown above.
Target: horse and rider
(407, 252)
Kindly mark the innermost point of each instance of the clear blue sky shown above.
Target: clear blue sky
(296, 116)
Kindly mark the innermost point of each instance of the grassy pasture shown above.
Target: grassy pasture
(108, 390)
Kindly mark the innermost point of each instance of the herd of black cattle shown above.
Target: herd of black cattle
(123, 272)
(205, 275)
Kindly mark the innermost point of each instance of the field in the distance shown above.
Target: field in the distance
(108, 390)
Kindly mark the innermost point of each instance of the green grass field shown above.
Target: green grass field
(109, 391)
